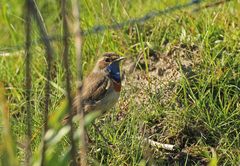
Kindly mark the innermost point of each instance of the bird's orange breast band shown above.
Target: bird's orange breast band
(117, 86)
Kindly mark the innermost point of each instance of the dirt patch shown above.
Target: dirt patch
(158, 73)
(156, 76)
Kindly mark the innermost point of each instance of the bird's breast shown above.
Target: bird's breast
(117, 86)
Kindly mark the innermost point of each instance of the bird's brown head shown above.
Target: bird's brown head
(106, 60)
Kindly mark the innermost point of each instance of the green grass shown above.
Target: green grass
(201, 114)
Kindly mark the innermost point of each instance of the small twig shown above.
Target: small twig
(159, 145)
(78, 45)
(99, 132)
(11, 54)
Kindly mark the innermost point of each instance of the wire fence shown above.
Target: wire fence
(101, 28)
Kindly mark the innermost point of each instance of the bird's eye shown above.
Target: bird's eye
(107, 60)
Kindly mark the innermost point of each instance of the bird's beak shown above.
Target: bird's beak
(119, 59)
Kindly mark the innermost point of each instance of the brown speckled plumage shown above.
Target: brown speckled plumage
(99, 92)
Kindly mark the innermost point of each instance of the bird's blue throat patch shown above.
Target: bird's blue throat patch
(114, 71)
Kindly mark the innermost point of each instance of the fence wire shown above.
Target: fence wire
(101, 28)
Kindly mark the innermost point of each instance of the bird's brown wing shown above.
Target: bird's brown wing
(93, 89)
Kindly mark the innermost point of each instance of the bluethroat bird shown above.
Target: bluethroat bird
(101, 88)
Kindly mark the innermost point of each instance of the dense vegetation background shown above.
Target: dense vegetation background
(181, 86)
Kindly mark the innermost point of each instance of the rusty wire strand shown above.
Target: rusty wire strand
(67, 78)
(28, 84)
(211, 4)
(101, 28)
